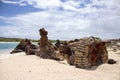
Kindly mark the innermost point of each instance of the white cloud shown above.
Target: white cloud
(14, 2)
(9, 2)
(99, 18)
(45, 4)
(116, 1)
(55, 22)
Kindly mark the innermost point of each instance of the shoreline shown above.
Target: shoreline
(6, 55)
(9, 42)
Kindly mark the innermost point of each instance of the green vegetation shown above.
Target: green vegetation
(96, 38)
(34, 40)
(3, 39)
(52, 41)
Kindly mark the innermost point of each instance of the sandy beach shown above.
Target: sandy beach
(31, 67)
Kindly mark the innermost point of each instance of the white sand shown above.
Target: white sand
(7, 42)
(23, 67)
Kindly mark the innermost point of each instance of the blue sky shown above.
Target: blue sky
(63, 19)
(10, 10)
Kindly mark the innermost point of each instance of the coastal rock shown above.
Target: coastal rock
(25, 46)
(88, 52)
(67, 54)
(57, 44)
(31, 49)
(16, 51)
(46, 47)
(111, 61)
(21, 46)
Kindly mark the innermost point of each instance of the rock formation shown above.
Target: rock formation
(111, 61)
(57, 44)
(66, 53)
(31, 49)
(24, 46)
(46, 48)
(83, 53)
(20, 47)
(88, 52)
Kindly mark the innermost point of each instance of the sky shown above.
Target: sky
(63, 19)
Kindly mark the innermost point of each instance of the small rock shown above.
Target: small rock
(111, 61)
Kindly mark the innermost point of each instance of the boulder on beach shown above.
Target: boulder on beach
(111, 61)
(31, 49)
(46, 47)
(23, 47)
(88, 52)
(58, 43)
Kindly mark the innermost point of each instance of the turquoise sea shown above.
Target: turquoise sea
(7, 45)
(6, 48)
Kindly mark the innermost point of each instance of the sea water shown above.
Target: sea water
(6, 48)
